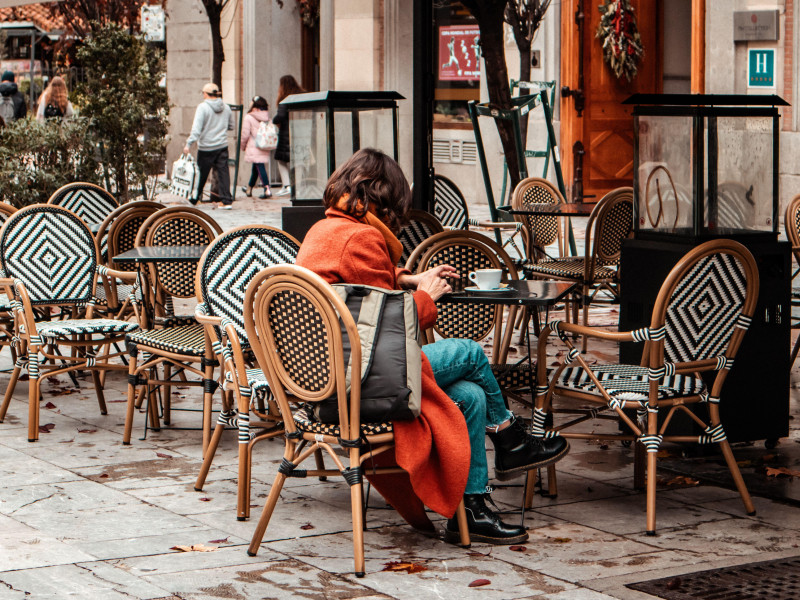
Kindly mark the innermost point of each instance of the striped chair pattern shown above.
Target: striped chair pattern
(90, 202)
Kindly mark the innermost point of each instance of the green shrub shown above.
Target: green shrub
(38, 158)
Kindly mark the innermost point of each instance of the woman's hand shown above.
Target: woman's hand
(434, 281)
(406, 281)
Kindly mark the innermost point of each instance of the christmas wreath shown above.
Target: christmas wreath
(622, 45)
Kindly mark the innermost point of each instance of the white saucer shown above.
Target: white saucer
(482, 291)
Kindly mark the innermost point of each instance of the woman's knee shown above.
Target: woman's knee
(468, 396)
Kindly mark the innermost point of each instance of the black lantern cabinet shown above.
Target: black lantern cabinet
(706, 167)
(325, 129)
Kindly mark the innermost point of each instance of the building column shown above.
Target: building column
(698, 83)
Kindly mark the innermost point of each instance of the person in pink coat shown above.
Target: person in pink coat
(257, 114)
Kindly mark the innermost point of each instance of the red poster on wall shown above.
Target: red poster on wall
(459, 53)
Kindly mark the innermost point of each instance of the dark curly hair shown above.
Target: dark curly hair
(371, 178)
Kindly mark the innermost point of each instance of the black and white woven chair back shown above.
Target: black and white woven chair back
(449, 204)
(706, 306)
(614, 224)
(122, 235)
(535, 190)
(458, 320)
(233, 260)
(735, 206)
(177, 278)
(52, 252)
(420, 227)
(90, 202)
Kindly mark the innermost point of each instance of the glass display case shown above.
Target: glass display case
(705, 165)
(326, 128)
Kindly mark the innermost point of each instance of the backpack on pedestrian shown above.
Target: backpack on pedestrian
(7, 109)
(266, 136)
(51, 111)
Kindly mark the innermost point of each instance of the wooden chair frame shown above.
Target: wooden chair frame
(230, 350)
(161, 296)
(31, 345)
(300, 445)
(653, 432)
(535, 248)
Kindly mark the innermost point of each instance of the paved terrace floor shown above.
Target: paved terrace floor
(82, 516)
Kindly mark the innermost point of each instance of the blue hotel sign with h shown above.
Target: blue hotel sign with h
(761, 67)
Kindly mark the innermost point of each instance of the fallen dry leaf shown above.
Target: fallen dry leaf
(768, 457)
(162, 455)
(103, 475)
(63, 392)
(518, 548)
(205, 499)
(408, 567)
(194, 548)
(50, 405)
(87, 430)
(222, 541)
(46, 428)
(307, 526)
(479, 583)
(778, 471)
(678, 480)
(559, 540)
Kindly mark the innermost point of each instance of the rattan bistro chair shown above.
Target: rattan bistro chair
(172, 341)
(597, 271)
(295, 326)
(791, 224)
(543, 230)
(449, 204)
(89, 201)
(49, 257)
(700, 316)
(227, 267)
(6, 308)
(420, 226)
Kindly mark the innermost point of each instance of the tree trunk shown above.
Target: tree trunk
(492, 48)
(217, 52)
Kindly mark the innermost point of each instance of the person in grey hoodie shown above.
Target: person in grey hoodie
(212, 121)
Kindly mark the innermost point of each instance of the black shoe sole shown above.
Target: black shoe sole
(454, 537)
(517, 471)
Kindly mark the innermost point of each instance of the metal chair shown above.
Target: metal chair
(597, 271)
(49, 257)
(171, 341)
(700, 316)
(227, 267)
(295, 326)
(421, 225)
(89, 201)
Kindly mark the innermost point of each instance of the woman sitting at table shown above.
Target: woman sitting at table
(367, 200)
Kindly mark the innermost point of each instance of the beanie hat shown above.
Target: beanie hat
(7, 76)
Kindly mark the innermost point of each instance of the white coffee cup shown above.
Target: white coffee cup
(486, 279)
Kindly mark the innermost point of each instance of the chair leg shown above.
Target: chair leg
(651, 493)
(530, 489)
(167, 414)
(737, 477)
(793, 356)
(33, 408)
(9, 392)
(266, 514)
(463, 528)
(209, 457)
(132, 374)
(319, 459)
(358, 528)
(639, 465)
(98, 390)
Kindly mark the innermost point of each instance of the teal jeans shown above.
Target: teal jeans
(463, 372)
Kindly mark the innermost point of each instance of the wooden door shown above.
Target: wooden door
(605, 126)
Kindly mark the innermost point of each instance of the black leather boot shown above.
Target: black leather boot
(517, 451)
(484, 525)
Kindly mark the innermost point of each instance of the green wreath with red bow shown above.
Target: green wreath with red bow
(619, 34)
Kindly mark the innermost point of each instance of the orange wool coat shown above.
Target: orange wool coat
(433, 448)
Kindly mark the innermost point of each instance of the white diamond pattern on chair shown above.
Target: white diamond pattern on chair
(232, 264)
(91, 204)
(704, 308)
(52, 253)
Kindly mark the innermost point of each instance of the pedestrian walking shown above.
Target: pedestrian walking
(255, 151)
(54, 102)
(288, 85)
(12, 101)
(212, 121)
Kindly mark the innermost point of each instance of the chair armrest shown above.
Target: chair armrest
(126, 276)
(204, 318)
(498, 225)
(614, 336)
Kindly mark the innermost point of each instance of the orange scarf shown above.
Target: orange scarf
(370, 218)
